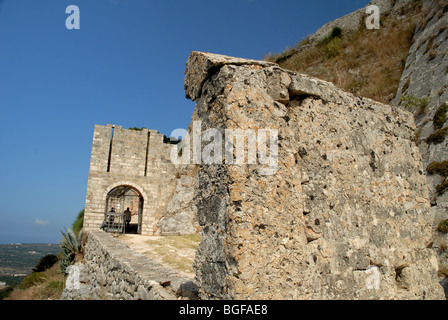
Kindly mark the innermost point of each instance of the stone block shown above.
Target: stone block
(364, 201)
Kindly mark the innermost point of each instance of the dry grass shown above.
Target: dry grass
(366, 63)
(49, 289)
(177, 252)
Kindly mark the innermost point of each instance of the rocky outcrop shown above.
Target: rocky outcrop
(426, 76)
(76, 284)
(345, 215)
(425, 80)
(355, 20)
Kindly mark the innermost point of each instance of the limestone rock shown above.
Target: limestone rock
(353, 21)
(179, 216)
(425, 76)
(347, 205)
(202, 66)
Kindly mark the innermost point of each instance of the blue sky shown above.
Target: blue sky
(124, 66)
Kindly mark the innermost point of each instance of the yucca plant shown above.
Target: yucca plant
(65, 261)
(71, 245)
(77, 224)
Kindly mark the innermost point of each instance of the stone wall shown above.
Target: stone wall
(112, 271)
(180, 215)
(349, 195)
(136, 158)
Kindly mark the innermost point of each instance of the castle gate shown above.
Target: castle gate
(129, 168)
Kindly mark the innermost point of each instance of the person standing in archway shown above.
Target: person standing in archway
(127, 217)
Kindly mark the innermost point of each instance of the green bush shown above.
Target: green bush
(336, 33)
(45, 263)
(441, 188)
(32, 280)
(415, 104)
(440, 117)
(438, 168)
(437, 137)
(443, 226)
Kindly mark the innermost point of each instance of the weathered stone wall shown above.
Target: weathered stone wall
(136, 158)
(180, 215)
(112, 271)
(349, 193)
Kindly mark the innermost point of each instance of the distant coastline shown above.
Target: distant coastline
(18, 259)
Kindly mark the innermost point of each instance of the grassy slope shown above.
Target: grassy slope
(47, 285)
(366, 63)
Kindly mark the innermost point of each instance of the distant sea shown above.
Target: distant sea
(18, 259)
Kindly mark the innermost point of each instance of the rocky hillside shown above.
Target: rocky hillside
(424, 89)
(424, 84)
(364, 62)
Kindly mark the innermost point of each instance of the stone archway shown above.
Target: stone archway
(124, 196)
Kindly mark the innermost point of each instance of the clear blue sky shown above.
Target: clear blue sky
(124, 66)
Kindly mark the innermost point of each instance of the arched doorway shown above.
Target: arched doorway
(123, 198)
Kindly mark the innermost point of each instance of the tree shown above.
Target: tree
(45, 263)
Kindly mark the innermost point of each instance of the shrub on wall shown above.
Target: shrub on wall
(440, 168)
(440, 117)
(437, 137)
(415, 104)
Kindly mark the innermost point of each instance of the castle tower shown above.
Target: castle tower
(129, 169)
